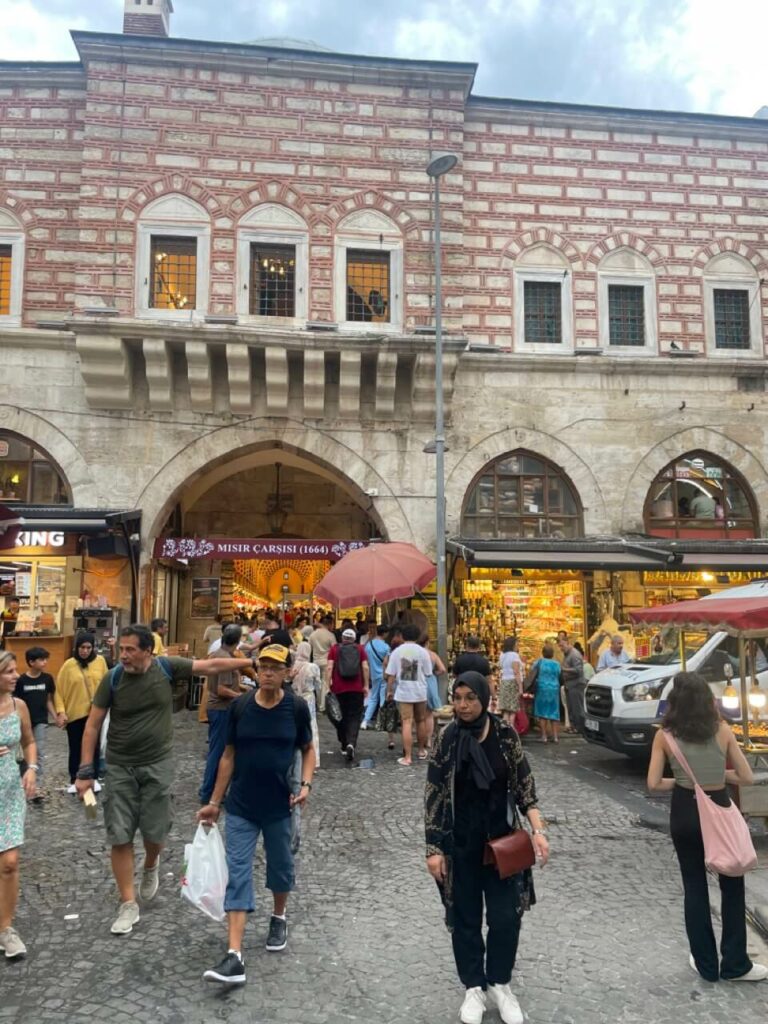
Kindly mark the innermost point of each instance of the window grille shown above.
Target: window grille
(5, 279)
(273, 280)
(368, 286)
(626, 314)
(173, 282)
(731, 318)
(543, 312)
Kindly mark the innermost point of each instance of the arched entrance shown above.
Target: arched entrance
(256, 530)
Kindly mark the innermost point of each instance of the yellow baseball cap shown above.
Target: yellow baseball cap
(274, 652)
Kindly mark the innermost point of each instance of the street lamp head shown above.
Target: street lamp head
(441, 164)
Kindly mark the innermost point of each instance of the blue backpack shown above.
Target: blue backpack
(116, 674)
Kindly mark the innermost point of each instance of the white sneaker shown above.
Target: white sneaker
(150, 880)
(11, 944)
(127, 917)
(757, 973)
(506, 1003)
(473, 1007)
(71, 788)
(96, 786)
(363, 726)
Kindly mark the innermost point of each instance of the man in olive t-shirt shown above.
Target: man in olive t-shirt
(139, 757)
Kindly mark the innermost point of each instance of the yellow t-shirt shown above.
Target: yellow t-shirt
(159, 647)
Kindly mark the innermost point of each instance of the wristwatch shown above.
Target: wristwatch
(307, 784)
(540, 832)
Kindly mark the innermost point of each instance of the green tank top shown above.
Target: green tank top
(707, 762)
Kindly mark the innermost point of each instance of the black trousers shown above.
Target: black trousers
(491, 962)
(574, 695)
(351, 717)
(75, 732)
(689, 847)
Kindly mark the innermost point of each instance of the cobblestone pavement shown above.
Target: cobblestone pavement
(366, 941)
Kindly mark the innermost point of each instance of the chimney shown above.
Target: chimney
(147, 17)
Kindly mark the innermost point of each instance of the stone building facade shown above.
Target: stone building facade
(605, 279)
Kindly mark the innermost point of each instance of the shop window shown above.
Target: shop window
(11, 267)
(522, 496)
(368, 272)
(173, 259)
(626, 298)
(732, 311)
(27, 475)
(543, 302)
(700, 496)
(272, 264)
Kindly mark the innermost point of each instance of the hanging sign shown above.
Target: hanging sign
(244, 548)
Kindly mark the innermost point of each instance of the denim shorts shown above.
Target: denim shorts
(240, 839)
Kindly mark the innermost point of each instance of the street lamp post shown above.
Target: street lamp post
(437, 167)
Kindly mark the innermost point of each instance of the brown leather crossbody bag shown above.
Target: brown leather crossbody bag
(510, 854)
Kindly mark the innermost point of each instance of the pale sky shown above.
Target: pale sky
(701, 55)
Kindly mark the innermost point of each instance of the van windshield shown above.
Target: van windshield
(665, 646)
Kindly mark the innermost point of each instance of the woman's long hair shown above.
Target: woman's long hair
(692, 714)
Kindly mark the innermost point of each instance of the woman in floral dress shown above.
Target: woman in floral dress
(15, 728)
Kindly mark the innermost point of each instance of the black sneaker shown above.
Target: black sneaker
(231, 971)
(350, 752)
(278, 934)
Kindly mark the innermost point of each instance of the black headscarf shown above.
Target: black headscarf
(84, 637)
(470, 756)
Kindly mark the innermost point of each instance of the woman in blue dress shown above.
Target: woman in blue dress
(15, 728)
(546, 705)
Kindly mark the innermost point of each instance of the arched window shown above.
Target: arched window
(368, 272)
(700, 496)
(174, 252)
(521, 496)
(27, 475)
(11, 269)
(272, 263)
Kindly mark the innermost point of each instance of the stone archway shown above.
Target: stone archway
(675, 445)
(596, 520)
(62, 452)
(212, 453)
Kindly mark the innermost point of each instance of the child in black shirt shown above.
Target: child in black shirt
(36, 688)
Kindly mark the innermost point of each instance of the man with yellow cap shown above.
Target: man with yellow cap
(264, 730)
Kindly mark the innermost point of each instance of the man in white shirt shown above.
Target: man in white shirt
(321, 641)
(615, 655)
(408, 666)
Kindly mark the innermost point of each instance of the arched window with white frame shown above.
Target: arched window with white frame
(543, 296)
(732, 313)
(368, 272)
(11, 269)
(272, 263)
(626, 300)
(174, 253)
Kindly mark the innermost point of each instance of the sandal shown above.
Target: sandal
(390, 746)
(403, 763)
(423, 755)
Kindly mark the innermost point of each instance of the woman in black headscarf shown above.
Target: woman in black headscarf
(76, 684)
(477, 778)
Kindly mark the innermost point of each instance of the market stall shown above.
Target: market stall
(746, 619)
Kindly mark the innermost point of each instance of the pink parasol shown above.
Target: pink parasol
(379, 572)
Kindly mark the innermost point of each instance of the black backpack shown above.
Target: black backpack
(349, 661)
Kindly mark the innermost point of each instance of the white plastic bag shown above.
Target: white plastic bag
(204, 881)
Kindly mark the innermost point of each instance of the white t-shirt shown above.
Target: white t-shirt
(410, 664)
(507, 663)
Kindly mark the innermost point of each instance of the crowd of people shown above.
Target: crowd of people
(267, 682)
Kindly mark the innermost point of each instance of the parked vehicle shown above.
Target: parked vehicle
(624, 705)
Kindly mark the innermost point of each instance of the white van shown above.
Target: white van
(622, 705)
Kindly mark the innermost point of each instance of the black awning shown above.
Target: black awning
(614, 553)
(66, 518)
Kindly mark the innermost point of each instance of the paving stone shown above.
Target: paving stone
(604, 945)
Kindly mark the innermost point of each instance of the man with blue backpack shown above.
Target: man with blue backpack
(138, 694)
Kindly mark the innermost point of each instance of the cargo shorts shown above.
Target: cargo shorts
(138, 798)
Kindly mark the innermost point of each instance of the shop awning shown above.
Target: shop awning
(617, 553)
(734, 615)
(38, 518)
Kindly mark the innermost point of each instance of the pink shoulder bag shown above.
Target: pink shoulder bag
(728, 847)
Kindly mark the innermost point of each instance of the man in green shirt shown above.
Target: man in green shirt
(139, 757)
